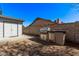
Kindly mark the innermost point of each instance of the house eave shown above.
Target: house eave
(5, 19)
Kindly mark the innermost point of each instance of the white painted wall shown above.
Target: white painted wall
(1, 29)
(10, 29)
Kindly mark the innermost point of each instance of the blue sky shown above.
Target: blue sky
(30, 11)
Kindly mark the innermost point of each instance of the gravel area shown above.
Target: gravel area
(26, 46)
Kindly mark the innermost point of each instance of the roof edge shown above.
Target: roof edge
(6, 17)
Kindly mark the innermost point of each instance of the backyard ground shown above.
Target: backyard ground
(32, 46)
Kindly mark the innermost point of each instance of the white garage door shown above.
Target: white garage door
(7, 29)
(1, 29)
(14, 30)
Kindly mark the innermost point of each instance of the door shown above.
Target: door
(14, 30)
(7, 29)
(19, 29)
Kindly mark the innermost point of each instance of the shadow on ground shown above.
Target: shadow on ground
(72, 44)
(38, 40)
(67, 43)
